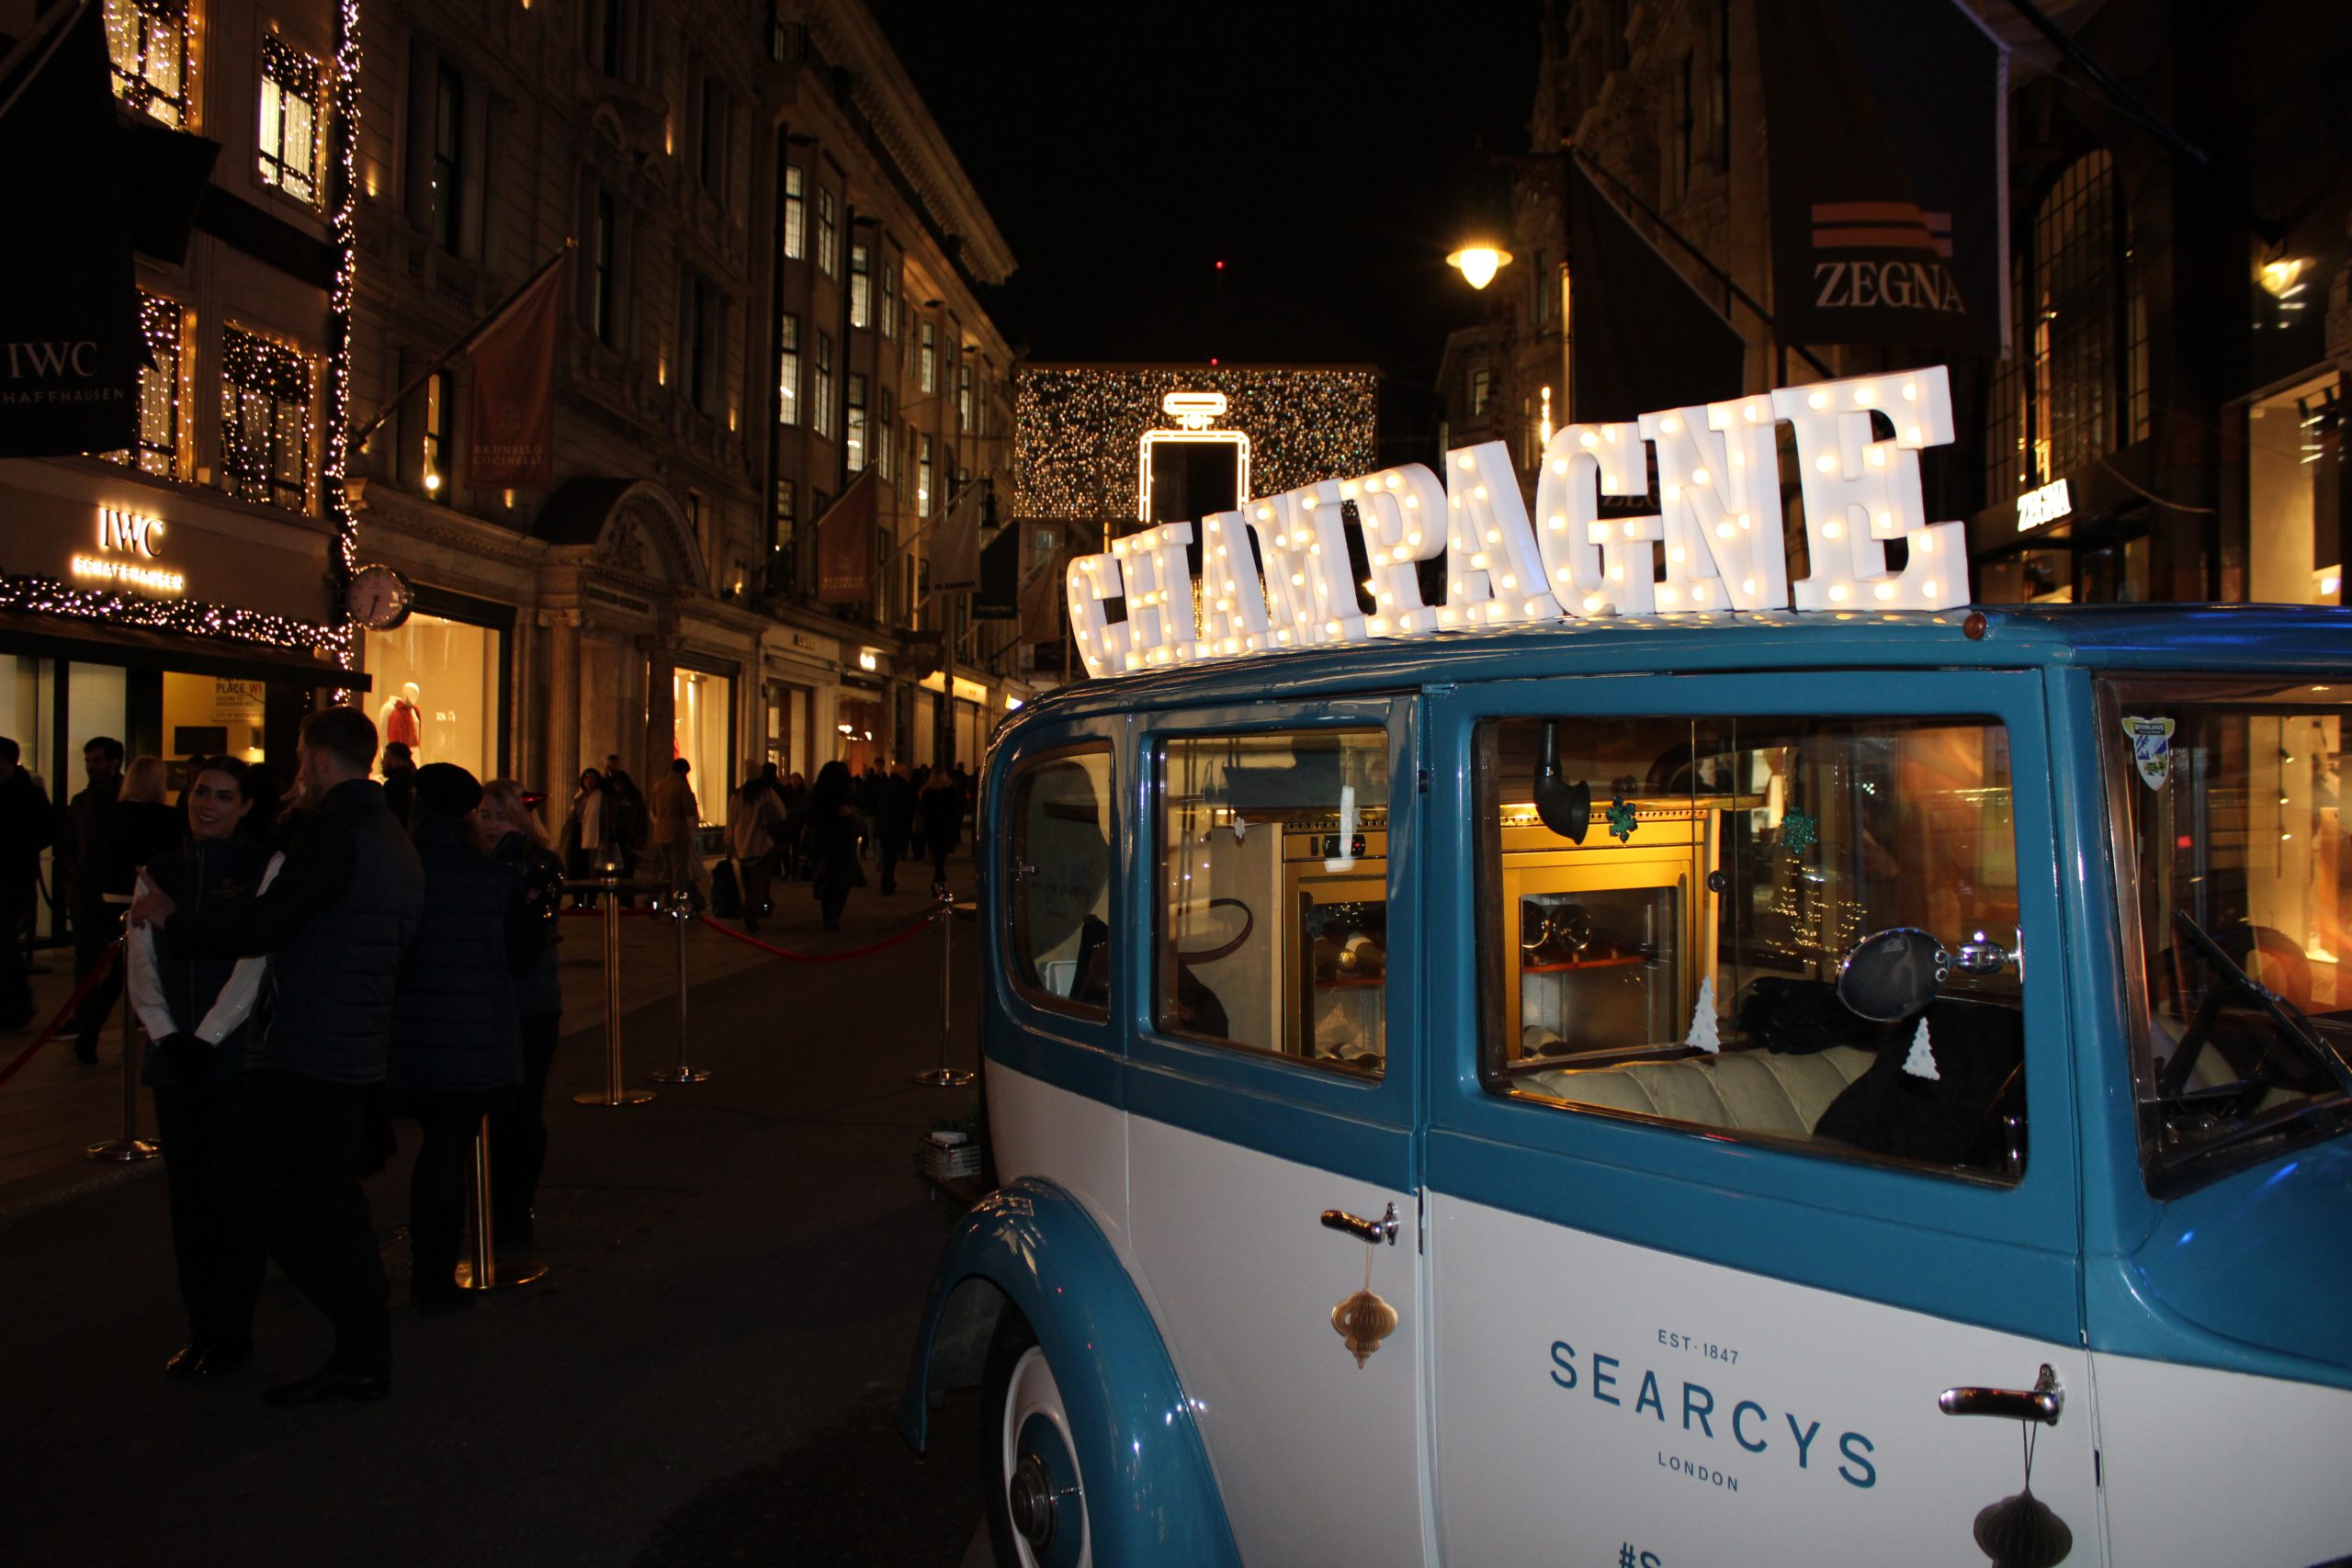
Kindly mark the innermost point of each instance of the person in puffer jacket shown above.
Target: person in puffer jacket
(456, 1035)
(195, 1012)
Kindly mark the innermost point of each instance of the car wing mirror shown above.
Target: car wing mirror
(1565, 808)
(1892, 973)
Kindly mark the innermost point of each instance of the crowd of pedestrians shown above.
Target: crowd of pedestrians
(786, 828)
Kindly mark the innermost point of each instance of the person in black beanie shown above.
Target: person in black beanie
(336, 923)
(457, 1033)
(197, 1013)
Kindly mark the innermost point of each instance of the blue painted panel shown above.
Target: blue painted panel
(1292, 1125)
(1151, 1497)
(2002, 1258)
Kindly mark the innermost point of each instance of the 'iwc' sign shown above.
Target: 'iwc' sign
(127, 534)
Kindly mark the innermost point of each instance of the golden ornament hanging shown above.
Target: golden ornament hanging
(1363, 1321)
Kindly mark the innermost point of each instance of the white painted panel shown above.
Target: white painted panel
(2205, 1466)
(1320, 1460)
(1078, 1143)
(1756, 1421)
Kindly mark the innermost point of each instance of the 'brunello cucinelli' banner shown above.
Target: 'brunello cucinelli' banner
(69, 350)
(1889, 173)
(1275, 572)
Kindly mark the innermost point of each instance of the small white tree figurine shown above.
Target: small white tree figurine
(1922, 1062)
(1703, 1036)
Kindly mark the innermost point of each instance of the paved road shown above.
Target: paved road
(705, 1376)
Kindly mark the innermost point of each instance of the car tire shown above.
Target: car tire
(1029, 1476)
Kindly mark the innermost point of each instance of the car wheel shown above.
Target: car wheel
(1037, 1500)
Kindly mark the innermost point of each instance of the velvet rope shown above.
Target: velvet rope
(891, 940)
(89, 983)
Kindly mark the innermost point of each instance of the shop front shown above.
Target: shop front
(2098, 536)
(167, 616)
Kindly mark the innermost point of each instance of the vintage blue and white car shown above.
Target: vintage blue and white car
(1774, 1087)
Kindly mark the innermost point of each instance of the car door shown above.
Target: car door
(1272, 1078)
(1708, 1246)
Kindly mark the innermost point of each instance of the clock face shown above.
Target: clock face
(378, 598)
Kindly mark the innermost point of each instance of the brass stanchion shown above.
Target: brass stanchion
(131, 1145)
(615, 1092)
(483, 1272)
(943, 1076)
(680, 909)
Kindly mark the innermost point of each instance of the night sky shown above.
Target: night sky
(1328, 154)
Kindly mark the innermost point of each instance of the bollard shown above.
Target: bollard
(614, 1092)
(681, 913)
(483, 1272)
(943, 1076)
(131, 1145)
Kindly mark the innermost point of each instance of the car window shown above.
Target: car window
(1271, 913)
(1795, 930)
(1057, 878)
(2228, 812)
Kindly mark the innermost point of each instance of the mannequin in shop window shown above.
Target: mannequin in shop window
(403, 719)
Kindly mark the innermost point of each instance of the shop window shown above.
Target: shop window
(827, 233)
(859, 727)
(788, 370)
(703, 733)
(1271, 914)
(293, 99)
(796, 213)
(207, 716)
(265, 414)
(2228, 818)
(148, 46)
(1672, 904)
(436, 687)
(439, 410)
(1057, 879)
(2294, 494)
(854, 423)
(158, 451)
(861, 286)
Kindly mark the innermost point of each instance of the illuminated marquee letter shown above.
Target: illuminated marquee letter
(1860, 493)
(1493, 571)
(1581, 464)
(1719, 479)
(1233, 611)
(1398, 510)
(1102, 643)
(1158, 583)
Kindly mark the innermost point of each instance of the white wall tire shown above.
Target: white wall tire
(1035, 1497)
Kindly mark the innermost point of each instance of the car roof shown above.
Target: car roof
(2292, 640)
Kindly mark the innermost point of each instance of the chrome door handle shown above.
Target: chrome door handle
(2042, 1402)
(1372, 1233)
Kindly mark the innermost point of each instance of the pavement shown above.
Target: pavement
(705, 1375)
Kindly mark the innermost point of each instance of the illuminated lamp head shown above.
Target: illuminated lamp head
(1478, 263)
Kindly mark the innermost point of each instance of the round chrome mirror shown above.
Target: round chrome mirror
(1892, 973)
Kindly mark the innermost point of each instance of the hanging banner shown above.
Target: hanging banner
(1644, 338)
(1889, 172)
(1000, 578)
(955, 549)
(511, 432)
(1041, 603)
(845, 546)
(69, 350)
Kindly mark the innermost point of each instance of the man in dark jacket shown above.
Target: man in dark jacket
(894, 815)
(28, 826)
(89, 856)
(337, 923)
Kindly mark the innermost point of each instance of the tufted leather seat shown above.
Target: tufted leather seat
(1748, 1091)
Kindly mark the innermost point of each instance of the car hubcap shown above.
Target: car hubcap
(1043, 1498)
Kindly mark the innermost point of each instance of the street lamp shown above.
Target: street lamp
(1478, 264)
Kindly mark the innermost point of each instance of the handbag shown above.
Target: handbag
(726, 892)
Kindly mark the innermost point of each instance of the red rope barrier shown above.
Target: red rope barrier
(89, 984)
(599, 914)
(888, 941)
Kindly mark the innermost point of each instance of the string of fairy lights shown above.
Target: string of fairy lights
(47, 596)
(342, 235)
(1078, 430)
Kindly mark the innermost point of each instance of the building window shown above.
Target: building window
(1539, 277)
(606, 34)
(787, 498)
(827, 233)
(1482, 387)
(890, 301)
(963, 395)
(293, 90)
(712, 135)
(886, 416)
(147, 42)
(923, 476)
(822, 420)
(448, 156)
(796, 213)
(702, 316)
(854, 422)
(1720, 116)
(861, 286)
(265, 414)
(603, 280)
(440, 407)
(158, 447)
(788, 370)
(929, 359)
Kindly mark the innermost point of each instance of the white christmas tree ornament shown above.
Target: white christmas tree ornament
(1703, 1019)
(1922, 1062)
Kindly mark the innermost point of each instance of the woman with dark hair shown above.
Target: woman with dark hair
(195, 1013)
(587, 829)
(518, 1130)
(456, 1034)
(833, 827)
(754, 820)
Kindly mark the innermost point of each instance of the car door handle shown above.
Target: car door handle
(2040, 1403)
(1372, 1233)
